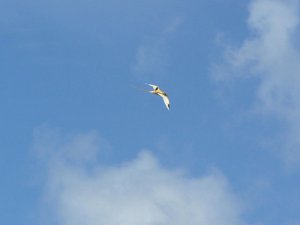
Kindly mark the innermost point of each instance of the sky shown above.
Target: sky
(81, 144)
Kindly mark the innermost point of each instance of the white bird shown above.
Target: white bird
(161, 93)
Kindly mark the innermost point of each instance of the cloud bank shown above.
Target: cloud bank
(271, 56)
(140, 191)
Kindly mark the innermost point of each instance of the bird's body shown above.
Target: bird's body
(160, 93)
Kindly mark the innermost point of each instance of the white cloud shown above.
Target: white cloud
(77, 148)
(270, 55)
(136, 192)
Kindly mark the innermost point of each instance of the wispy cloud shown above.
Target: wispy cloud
(270, 55)
(152, 57)
(136, 192)
(51, 146)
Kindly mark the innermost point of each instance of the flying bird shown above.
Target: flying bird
(161, 93)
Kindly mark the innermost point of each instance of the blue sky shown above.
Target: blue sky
(81, 145)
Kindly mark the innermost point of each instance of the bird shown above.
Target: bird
(161, 93)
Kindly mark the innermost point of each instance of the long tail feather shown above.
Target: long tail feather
(132, 86)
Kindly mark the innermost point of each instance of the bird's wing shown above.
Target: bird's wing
(153, 86)
(166, 100)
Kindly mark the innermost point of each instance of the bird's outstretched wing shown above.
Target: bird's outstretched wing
(153, 86)
(166, 100)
